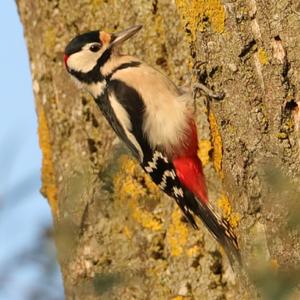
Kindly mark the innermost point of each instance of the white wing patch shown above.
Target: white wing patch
(167, 173)
(124, 120)
(152, 164)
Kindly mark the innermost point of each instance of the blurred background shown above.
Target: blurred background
(28, 267)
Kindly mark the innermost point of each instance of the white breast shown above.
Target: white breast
(167, 113)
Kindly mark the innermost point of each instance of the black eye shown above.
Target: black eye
(95, 48)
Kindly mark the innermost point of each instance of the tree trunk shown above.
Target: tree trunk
(117, 236)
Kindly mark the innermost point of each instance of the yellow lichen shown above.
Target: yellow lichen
(159, 267)
(49, 38)
(289, 124)
(231, 217)
(193, 251)
(263, 56)
(127, 232)
(146, 219)
(132, 185)
(96, 4)
(177, 234)
(199, 14)
(216, 143)
(159, 28)
(281, 135)
(204, 151)
(49, 188)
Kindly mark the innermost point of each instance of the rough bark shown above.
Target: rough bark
(117, 236)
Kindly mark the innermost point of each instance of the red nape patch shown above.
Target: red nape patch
(65, 59)
(190, 173)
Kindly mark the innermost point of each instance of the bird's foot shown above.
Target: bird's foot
(207, 91)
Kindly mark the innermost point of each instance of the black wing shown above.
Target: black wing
(104, 104)
(163, 173)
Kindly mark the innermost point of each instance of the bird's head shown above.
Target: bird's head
(86, 53)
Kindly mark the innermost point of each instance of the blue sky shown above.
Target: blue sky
(24, 213)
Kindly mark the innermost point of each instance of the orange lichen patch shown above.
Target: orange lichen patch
(49, 188)
(177, 234)
(263, 56)
(216, 143)
(104, 37)
(131, 186)
(204, 151)
(231, 217)
(199, 14)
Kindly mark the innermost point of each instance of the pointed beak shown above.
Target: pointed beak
(119, 37)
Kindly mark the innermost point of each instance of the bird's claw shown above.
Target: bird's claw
(210, 93)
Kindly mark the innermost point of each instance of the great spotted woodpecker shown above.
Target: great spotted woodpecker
(153, 118)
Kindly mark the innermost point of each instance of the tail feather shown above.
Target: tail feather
(221, 230)
(218, 226)
(184, 182)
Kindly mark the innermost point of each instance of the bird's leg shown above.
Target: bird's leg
(207, 91)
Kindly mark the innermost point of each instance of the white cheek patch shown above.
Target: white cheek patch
(83, 61)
